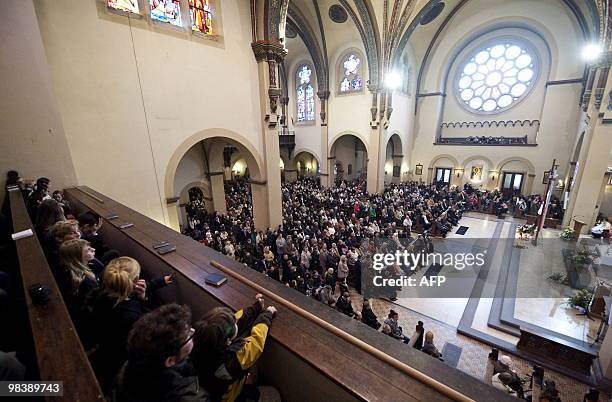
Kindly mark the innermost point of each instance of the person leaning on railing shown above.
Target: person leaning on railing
(227, 345)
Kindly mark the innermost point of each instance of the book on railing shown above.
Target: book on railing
(168, 248)
(159, 243)
(215, 279)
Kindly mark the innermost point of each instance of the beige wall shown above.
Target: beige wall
(549, 28)
(131, 93)
(32, 137)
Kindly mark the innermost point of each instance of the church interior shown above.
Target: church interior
(306, 200)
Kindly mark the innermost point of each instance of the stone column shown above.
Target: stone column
(266, 189)
(326, 174)
(217, 191)
(592, 161)
(377, 149)
(591, 175)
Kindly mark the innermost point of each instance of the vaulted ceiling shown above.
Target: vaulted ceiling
(385, 29)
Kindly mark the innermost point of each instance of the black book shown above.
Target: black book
(159, 243)
(166, 249)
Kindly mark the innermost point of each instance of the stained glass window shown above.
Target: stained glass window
(496, 76)
(305, 95)
(351, 79)
(166, 11)
(201, 16)
(130, 6)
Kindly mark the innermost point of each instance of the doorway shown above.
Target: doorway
(443, 175)
(512, 183)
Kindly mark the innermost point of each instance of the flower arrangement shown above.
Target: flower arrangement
(567, 233)
(525, 230)
(582, 257)
(580, 299)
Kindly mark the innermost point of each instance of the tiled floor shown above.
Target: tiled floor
(474, 353)
(442, 316)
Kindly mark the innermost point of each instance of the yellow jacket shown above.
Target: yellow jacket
(252, 346)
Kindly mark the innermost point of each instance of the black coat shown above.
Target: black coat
(369, 318)
(168, 385)
(107, 324)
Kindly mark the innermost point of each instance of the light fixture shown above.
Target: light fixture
(591, 52)
(393, 80)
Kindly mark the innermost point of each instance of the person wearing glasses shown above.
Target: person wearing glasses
(227, 345)
(158, 369)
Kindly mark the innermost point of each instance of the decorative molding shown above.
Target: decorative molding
(213, 174)
(268, 51)
(397, 156)
(258, 182)
(489, 124)
(172, 200)
(566, 82)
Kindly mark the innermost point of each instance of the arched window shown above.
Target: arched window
(350, 74)
(304, 95)
(496, 76)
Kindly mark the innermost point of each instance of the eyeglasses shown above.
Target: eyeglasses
(190, 334)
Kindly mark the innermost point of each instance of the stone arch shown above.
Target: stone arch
(526, 162)
(432, 164)
(475, 158)
(345, 133)
(396, 142)
(356, 164)
(250, 153)
(202, 185)
(297, 158)
(306, 150)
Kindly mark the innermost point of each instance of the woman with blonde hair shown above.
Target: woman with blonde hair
(112, 310)
(75, 277)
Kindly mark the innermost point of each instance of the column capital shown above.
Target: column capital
(268, 51)
(323, 95)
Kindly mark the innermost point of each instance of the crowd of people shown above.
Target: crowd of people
(142, 351)
(139, 350)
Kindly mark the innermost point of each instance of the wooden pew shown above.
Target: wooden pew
(311, 346)
(59, 352)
